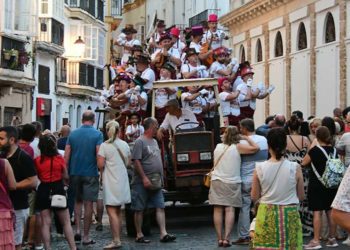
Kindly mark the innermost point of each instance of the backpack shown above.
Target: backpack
(334, 170)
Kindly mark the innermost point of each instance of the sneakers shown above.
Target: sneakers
(313, 245)
(346, 242)
(241, 241)
(332, 242)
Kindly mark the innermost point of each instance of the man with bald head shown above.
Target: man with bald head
(80, 155)
(64, 133)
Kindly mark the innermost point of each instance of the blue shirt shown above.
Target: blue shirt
(83, 142)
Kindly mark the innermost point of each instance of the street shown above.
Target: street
(192, 226)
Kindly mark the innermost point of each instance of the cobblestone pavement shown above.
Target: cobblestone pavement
(193, 230)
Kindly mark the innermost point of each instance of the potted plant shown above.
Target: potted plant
(7, 54)
(24, 57)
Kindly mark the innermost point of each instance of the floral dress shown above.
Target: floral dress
(305, 213)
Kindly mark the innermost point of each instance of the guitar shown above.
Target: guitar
(204, 49)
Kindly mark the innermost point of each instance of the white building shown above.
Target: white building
(18, 21)
(299, 46)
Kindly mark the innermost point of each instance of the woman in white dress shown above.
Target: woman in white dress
(112, 160)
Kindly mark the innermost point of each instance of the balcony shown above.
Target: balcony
(10, 52)
(89, 6)
(202, 16)
(82, 79)
(51, 36)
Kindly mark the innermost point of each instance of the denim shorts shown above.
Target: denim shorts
(142, 198)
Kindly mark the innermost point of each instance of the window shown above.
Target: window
(87, 40)
(258, 55)
(100, 10)
(101, 48)
(278, 45)
(91, 76)
(302, 37)
(44, 7)
(242, 54)
(78, 116)
(22, 14)
(61, 69)
(82, 74)
(117, 6)
(330, 29)
(58, 11)
(11, 63)
(57, 32)
(8, 14)
(44, 80)
(99, 78)
(94, 40)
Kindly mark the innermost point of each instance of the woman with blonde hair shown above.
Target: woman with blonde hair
(112, 160)
(225, 188)
(313, 125)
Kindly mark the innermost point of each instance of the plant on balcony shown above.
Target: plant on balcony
(24, 57)
(11, 56)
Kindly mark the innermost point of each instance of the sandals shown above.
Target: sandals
(220, 243)
(168, 238)
(226, 243)
(113, 245)
(91, 242)
(142, 240)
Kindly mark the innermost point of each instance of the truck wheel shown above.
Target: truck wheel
(129, 221)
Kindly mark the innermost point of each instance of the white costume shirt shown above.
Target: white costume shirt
(185, 68)
(228, 107)
(127, 53)
(196, 46)
(148, 74)
(218, 41)
(162, 97)
(196, 105)
(215, 67)
(171, 121)
(172, 51)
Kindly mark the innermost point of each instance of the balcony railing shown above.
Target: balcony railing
(202, 16)
(84, 75)
(89, 6)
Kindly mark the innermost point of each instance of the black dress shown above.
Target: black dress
(320, 198)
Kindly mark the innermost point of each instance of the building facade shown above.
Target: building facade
(18, 21)
(300, 46)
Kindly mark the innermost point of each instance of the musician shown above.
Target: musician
(163, 95)
(219, 69)
(165, 52)
(126, 40)
(194, 101)
(215, 35)
(197, 33)
(146, 73)
(153, 42)
(175, 39)
(192, 69)
(136, 51)
(229, 103)
(249, 93)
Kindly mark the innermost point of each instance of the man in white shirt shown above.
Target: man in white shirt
(175, 39)
(228, 102)
(196, 33)
(147, 74)
(219, 69)
(192, 69)
(153, 42)
(193, 100)
(176, 116)
(214, 35)
(166, 51)
(126, 41)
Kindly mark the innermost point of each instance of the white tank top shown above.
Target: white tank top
(283, 190)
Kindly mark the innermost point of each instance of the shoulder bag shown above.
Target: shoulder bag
(57, 200)
(125, 160)
(207, 177)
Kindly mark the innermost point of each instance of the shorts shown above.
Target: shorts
(43, 200)
(31, 201)
(142, 198)
(21, 220)
(85, 187)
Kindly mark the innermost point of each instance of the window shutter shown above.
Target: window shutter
(87, 40)
(94, 43)
(44, 80)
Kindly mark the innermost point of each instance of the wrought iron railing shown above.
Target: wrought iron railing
(202, 16)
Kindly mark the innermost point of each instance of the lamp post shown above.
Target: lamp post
(79, 47)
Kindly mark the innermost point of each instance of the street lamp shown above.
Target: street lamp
(79, 46)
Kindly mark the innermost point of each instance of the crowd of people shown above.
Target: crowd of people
(274, 169)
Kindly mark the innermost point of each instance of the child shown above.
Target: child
(134, 130)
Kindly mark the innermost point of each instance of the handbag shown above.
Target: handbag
(156, 180)
(57, 200)
(207, 177)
